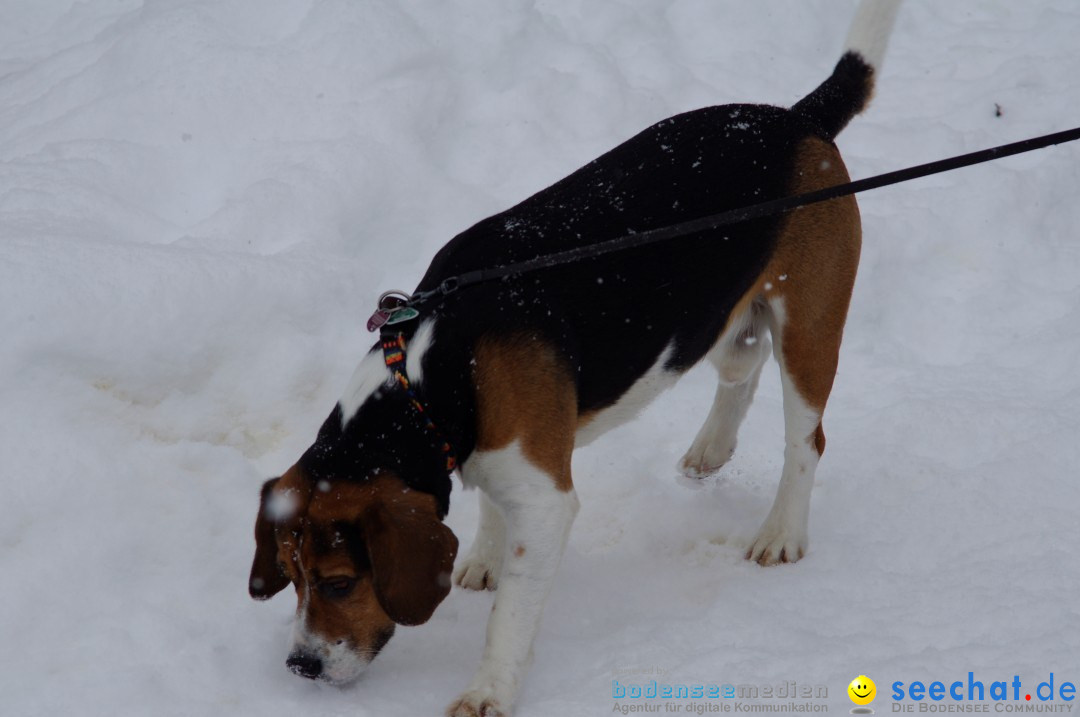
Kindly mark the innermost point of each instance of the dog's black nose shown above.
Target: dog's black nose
(305, 665)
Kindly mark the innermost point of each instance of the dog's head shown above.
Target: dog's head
(362, 556)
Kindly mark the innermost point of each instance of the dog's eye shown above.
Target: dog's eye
(336, 587)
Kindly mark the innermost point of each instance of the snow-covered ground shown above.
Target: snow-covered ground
(201, 199)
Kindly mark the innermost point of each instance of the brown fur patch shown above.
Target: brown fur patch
(411, 552)
(813, 271)
(292, 489)
(345, 501)
(380, 534)
(525, 392)
(358, 618)
(274, 564)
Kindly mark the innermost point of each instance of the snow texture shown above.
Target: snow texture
(201, 199)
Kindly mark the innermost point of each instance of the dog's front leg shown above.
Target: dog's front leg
(481, 567)
(538, 513)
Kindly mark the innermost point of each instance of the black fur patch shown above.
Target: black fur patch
(610, 317)
(839, 98)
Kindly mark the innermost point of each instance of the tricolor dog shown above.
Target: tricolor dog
(511, 375)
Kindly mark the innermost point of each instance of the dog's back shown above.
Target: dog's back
(612, 318)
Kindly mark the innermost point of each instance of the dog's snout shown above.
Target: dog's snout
(305, 665)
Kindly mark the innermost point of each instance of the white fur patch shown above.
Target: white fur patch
(654, 382)
(870, 30)
(372, 374)
(537, 519)
(417, 349)
(738, 357)
(481, 568)
(340, 663)
(784, 532)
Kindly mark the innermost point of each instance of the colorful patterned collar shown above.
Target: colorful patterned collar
(393, 346)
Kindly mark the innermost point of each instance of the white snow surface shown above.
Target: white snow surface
(200, 201)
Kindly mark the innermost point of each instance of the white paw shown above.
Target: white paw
(478, 703)
(478, 571)
(706, 457)
(778, 543)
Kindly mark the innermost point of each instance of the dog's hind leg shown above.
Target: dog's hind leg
(783, 536)
(808, 289)
(481, 567)
(738, 357)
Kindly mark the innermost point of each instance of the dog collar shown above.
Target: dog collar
(393, 346)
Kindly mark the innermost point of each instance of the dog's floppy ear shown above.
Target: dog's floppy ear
(266, 579)
(412, 555)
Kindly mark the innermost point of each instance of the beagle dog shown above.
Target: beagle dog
(512, 375)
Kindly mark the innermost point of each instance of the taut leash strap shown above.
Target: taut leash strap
(733, 216)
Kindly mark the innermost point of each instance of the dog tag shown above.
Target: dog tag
(380, 317)
(404, 313)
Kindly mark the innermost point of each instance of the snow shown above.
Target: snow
(200, 201)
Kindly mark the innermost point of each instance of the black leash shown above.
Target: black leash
(397, 307)
(404, 310)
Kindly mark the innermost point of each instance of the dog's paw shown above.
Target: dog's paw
(777, 543)
(478, 572)
(705, 458)
(477, 703)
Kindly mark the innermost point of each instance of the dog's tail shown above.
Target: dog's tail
(848, 90)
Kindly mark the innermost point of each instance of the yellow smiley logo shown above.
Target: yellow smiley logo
(862, 690)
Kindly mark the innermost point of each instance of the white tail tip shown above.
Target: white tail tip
(869, 34)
